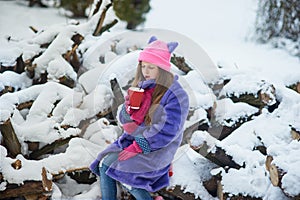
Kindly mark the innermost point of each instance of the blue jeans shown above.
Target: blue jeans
(109, 185)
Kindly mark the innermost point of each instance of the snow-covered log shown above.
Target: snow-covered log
(251, 90)
(29, 189)
(295, 87)
(295, 134)
(228, 116)
(180, 63)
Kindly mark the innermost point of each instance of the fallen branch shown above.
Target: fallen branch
(101, 20)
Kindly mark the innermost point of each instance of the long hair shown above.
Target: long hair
(163, 81)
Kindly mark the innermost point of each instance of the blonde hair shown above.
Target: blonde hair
(163, 81)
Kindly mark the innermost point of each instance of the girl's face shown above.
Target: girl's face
(149, 71)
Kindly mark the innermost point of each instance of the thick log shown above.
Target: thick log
(295, 134)
(49, 148)
(276, 175)
(67, 81)
(28, 188)
(211, 185)
(24, 105)
(226, 196)
(177, 193)
(187, 134)
(82, 176)
(295, 87)
(250, 99)
(118, 95)
(47, 184)
(10, 139)
(238, 197)
(180, 63)
(33, 146)
(220, 132)
(20, 66)
(218, 157)
(262, 149)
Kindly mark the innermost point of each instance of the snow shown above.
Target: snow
(215, 39)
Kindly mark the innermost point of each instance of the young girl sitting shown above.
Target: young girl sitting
(141, 157)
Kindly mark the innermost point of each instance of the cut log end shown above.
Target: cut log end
(274, 175)
(268, 162)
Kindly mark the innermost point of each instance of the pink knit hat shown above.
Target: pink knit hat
(158, 53)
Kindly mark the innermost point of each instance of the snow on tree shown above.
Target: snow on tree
(278, 22)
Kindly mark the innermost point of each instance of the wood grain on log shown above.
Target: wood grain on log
(268, 162)
(17, 164)
(276, 175)
(295, 134)
(28, 188)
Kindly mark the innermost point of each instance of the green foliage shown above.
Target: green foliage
(77, 7)
(131, 11)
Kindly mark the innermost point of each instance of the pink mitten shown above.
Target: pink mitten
(130, 151)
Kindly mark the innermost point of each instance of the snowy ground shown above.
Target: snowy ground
(223, 30)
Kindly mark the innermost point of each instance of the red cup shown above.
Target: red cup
(135, 97)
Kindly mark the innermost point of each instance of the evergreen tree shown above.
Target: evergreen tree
(278, 18)
(131, 11)
(77, 7)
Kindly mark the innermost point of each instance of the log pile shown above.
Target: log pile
(31, 68)
(40, 74)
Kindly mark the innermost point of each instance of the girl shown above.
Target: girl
(141, 157)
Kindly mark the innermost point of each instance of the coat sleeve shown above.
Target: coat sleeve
(168, 120)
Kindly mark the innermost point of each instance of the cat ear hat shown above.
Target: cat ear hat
(158, 52)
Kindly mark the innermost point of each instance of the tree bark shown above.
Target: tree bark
(118, 95)
(101, 20)
(49, 148)
(219, 157)
(10, 139)
(177, 193)
(180, 63)
(28, 188)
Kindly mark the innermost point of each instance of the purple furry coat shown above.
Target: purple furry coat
(150, 170)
